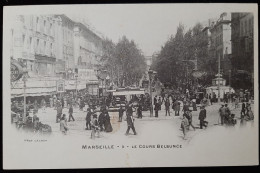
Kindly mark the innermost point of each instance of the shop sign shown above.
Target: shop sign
(16, 71)
(60, 85)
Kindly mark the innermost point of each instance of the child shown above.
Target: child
(94, 127)
(184, 125)
(63, 125)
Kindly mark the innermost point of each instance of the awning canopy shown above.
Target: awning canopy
(135, 92)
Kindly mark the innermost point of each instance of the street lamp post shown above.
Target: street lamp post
(76, 76)
(24, 92)
(150, 72)
(219, 79)
(230, 86)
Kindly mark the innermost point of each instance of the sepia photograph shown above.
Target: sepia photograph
(130, 85)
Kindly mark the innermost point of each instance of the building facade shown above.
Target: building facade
(33, 43)
(243, 41)
(54, 46)
(221, 41)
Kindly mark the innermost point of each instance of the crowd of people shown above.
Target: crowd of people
(98, 118)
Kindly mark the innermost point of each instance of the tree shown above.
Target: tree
(172, 63)
(124, 60)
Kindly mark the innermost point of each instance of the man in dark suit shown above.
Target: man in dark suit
(243, 110)
(202, 117)
(120, 112)
(130, 119)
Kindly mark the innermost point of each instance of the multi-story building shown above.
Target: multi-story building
(64, 39)
(242, 41)
(33, 43)
(221, 41)
(87, 47)
(51, 46)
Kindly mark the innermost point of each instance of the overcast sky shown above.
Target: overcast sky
(149, 25)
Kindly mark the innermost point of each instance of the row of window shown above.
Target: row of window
(36, 45)
(246, 27)
(39, 24)
(67, 50)
(67, 36)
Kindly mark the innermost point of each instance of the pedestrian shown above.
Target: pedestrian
(185, 106)
(236, 102)
(88, 119)
(71, 113)
(139, 111)
(202, 117)
(227, 114)
(247, 108)
(194, 106)
(160, 103)
(62, 102)
(184, 126)
(155, 100)
(101, 120)
(63, 125)
(51, 102)
(36, 125)
(107, 123)
(156, 109)
(59, 113)
(222, 114)
(167, 107)
(210, 99)
(188, 115)
(177, 108)
(120, 113)
(95, 127)
(130, 120)
(43, 104)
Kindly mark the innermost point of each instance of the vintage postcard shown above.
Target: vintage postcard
(130, 85)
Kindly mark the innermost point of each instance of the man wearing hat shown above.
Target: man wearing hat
(202, 117)
(130, 120)
(88, 119)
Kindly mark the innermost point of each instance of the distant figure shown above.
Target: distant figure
(95, 127)
(177, 108)
(88, 119)
(155, 100)
(236, 102)
(167, 107)
(156, 109)
(184, 126)
(51, 102)
(188, 115)
(202, 117)
(101, 120)
(139, 110)
(63, 125)
(62, 102)
(108, 126)
(222, 114)
(227, 114)
(59, 113)
(71, 113)
(160, 103)
(120, 113)
(130, 120)
(194, 106)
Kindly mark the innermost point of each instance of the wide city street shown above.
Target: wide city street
(149, 129)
